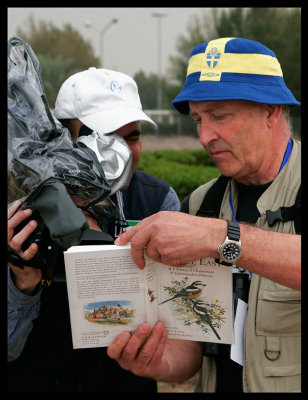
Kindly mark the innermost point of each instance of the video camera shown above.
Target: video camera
(53, 176)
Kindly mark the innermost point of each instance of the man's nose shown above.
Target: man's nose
(206, 134)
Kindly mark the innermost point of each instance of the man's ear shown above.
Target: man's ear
(73, 125)
(273, 114)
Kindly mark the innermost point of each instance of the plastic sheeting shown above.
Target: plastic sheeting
(114, 156)
(40, 149)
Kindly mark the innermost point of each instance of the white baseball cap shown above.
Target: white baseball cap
(101, 99)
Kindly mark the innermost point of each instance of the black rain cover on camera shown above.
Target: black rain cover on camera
(39, 147)
(42, 155)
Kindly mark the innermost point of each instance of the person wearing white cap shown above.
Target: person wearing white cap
(101, 99)
(105, 101)
(95, 105)
(248, 219)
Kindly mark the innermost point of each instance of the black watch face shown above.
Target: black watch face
(231, 251)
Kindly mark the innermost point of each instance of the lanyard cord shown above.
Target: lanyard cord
(287, 154)
(230, 201)
(284, 161)
(120, 204)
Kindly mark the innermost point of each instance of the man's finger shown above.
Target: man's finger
(153, 343)
(159, 351)
(115, 349)
(13, 208)
(125, 237)
(130, 351)
(30, 252)
(17, 240)
(138, 243)
(138, 257)
(18, 217)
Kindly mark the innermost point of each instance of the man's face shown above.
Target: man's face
(131, 133)
(235, 135)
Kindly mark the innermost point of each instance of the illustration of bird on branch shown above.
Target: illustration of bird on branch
(192, 291)
(200, 311)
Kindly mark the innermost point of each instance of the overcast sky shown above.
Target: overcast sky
(130, 45)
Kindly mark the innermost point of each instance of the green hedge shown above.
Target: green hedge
(183, 170)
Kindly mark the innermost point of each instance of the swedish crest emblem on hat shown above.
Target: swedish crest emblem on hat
(212, 57)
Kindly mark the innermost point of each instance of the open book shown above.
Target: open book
(109, 294)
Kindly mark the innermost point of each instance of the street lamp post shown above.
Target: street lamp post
(101, 32)
(159, 17)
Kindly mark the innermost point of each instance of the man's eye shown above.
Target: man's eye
(132, 140)
(218, 117)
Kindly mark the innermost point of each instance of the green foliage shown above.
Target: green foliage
(63, 52)
(46, 38)
(198, 30)
(53, 74)
(183, 170)
(146, 85)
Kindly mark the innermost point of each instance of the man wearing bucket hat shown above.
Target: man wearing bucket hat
(93, 105)
(235, 91)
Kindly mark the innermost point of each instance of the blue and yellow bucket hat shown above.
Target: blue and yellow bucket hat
(233, 69)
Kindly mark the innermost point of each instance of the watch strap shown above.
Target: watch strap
(218, 261)
(233, 230)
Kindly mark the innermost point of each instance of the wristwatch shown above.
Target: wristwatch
(230, 251)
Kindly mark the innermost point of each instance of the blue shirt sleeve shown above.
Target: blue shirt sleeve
(22, 310)
(171, 202)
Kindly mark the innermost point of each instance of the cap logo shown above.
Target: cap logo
(115, 87)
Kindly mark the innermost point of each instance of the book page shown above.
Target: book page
(196, 302)
(151, 291)
(106, 293)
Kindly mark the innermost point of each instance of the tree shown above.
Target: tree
(53, 74)
(200, 29)
(63, 52)
(146, 87)
(45, 38)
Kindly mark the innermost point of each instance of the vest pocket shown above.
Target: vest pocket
(278, 313)
(289, 370)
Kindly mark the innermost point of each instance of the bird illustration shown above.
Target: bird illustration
(151, 294)
(191, 291)
(200, 311)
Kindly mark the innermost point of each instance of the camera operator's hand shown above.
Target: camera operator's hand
(25, 279)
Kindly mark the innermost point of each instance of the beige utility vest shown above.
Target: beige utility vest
(273, 323)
